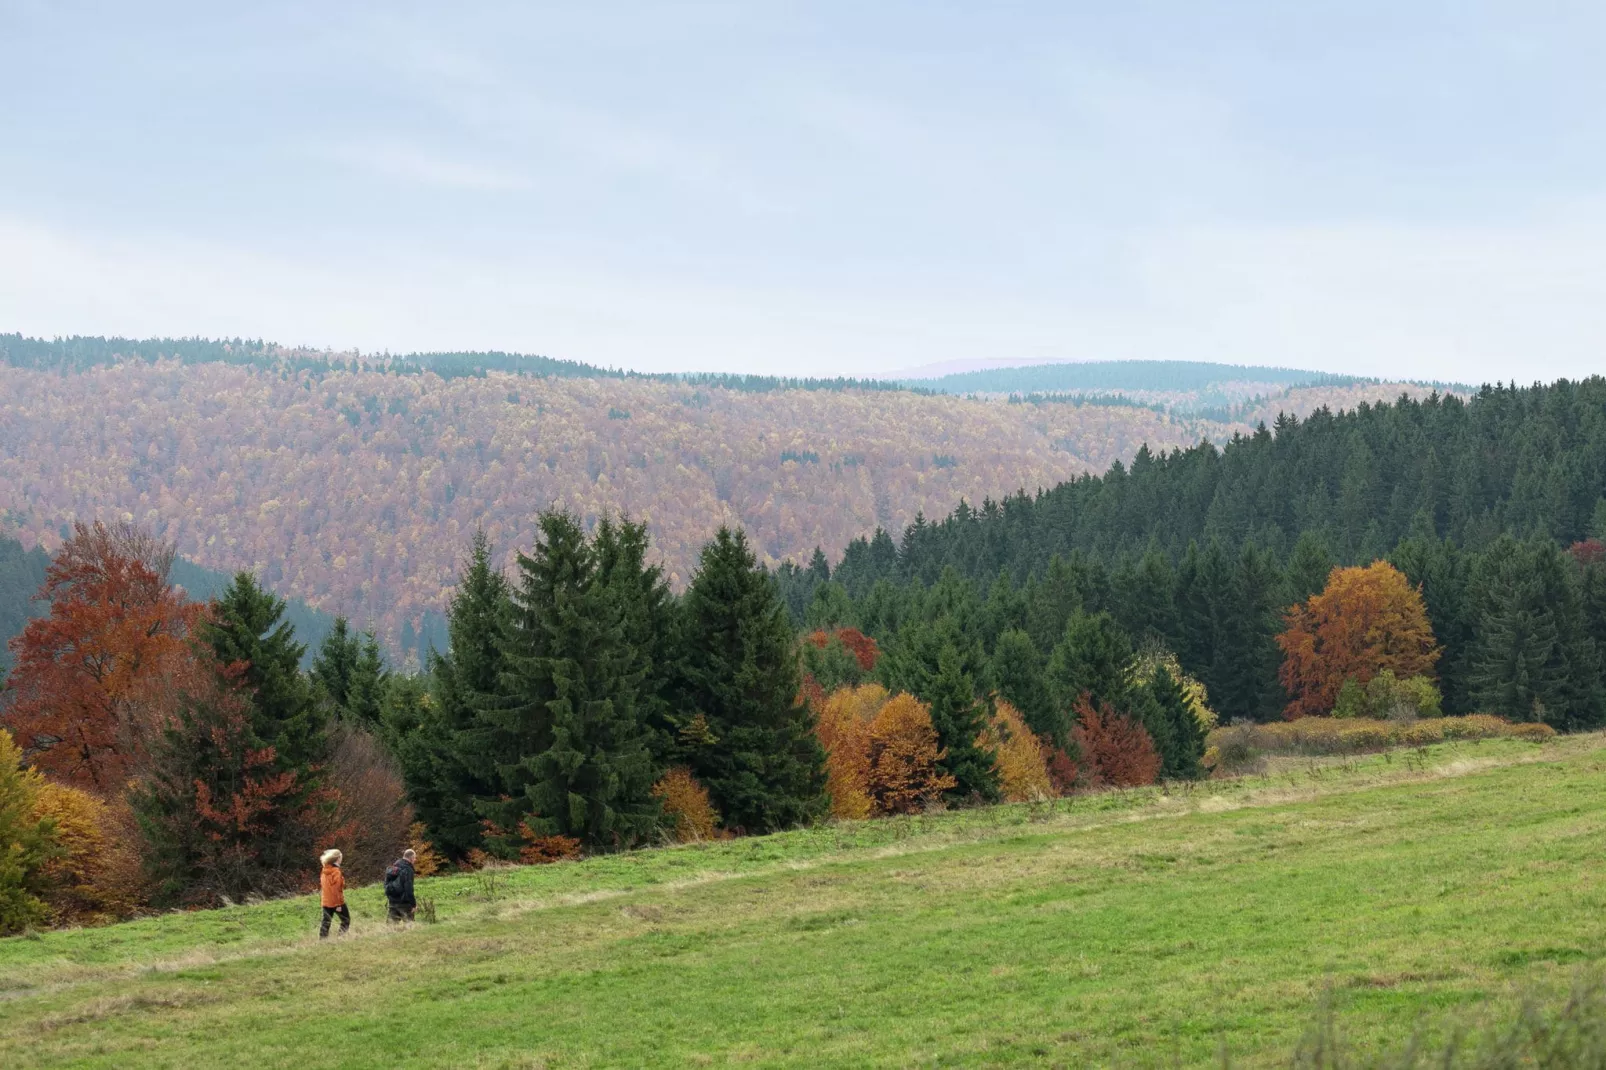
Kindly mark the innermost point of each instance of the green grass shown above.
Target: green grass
(1135, 928)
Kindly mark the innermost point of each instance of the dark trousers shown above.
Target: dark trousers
(399, 912)
(330, 912)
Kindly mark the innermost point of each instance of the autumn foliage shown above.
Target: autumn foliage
(882, 754)
(1365, 620)
(1022, 764)
(94, 678)
(689, 816)
(1116, 751)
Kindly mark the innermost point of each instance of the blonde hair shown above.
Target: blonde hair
(331, 856)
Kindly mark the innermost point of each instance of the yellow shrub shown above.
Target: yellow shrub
(1022, 772)
(427, 863)
(688, 813)
(1534, 733)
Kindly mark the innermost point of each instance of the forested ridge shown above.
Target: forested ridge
(1492, 505)
(351, 485)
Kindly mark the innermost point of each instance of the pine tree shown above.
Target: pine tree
(568, 718)
(648, 616)
(755, 749)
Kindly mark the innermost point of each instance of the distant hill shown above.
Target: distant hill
(1134, 376)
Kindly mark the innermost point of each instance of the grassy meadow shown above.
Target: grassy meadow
(1415, 889)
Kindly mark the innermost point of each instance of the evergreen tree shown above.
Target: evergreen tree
(334, 664)
(369, 680)
(567, 718)
(450, 758)
(1093, 659)
(648, 615)
(749, 740)
(1177, 734)
(1016, 674)
(1308, 567)
(959, 718)
(246, 632)
(1531, 656)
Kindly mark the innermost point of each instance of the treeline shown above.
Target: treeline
(1492, 506)
(82, 352)
(1161, 376)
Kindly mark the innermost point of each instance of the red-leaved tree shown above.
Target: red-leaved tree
(1116, 751)
(96, 678)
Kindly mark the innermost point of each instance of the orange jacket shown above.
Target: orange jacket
(333, 883)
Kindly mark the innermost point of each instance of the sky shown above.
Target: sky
(1407, 190)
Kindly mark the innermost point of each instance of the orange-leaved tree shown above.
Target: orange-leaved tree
(905, 769)
(1116, 750)
(96, 678)
(1364, 621)
(843, 726)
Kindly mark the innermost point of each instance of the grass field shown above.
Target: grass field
(1134, 928)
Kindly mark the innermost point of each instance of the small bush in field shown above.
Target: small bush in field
(427, 912)
(1236, 751)
(689, 817)
(538, 850)
(428, 863)
(1116, 750)
(1022, 770)
(1534, 733)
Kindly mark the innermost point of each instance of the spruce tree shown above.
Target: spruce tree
(751, 741)
(334, 664)
(1308, 567)
(450, 758)
(1531, 657)
(246, 630)
(1016, 674)
(1177, 733)
(1094, 659)
(369, 680)
(959, 717)
(568, 719)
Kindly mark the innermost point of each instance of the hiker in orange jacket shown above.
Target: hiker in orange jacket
(333, 883)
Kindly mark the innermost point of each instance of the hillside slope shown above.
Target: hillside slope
(1134, 928)
(357, 490)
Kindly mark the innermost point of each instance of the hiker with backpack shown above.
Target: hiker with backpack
(332, 885)
(399, 887)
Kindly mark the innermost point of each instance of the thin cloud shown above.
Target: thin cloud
(402, 162)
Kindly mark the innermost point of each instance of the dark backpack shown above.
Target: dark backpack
(393, 882)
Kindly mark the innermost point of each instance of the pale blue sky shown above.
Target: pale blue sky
(1413, 189)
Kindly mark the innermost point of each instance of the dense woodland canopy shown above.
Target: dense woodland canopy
(351, 484)
(1203, 550)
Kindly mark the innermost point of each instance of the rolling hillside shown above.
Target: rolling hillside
(355, 484)
(1127, 928)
